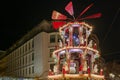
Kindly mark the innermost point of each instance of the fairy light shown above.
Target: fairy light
(75, 76)
(82, 47)
(78, 23)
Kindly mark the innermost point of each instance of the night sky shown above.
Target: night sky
(17, 17)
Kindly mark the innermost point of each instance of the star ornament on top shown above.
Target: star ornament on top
(59, 19)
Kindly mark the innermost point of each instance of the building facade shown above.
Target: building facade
(2, 63)
(31, 56)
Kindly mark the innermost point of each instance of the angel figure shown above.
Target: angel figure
(81, 30)
(55, 69)
(85, 67)
(88, 32)
(72, 67)
(66, 67)
(90, 44)
(81, 40)
(60, 44)
(62, 34)
(70, 29)
(95, 68)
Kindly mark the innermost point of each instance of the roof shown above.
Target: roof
(2, 54)
(44, 26)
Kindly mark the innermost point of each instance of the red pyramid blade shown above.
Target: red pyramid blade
(58, 24)
(97, 15)
(69, 8)
(58, 16)
(85, 10)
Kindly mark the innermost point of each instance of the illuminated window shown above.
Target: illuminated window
(52, 38)
(23, 72)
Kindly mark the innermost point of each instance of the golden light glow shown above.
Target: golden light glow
(75, 76)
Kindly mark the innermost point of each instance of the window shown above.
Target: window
(29, 58)
(32, 43)
(32, 69)
(32, 56)
(26, 47)
(52, 38)
(20, 52)
(26, 71)
(51, 51)
(26, 59)
(20, 72)
(15, 53)
(29, 70)
(23, 60)
(29, 45)
(23, 48)
(20, 61)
